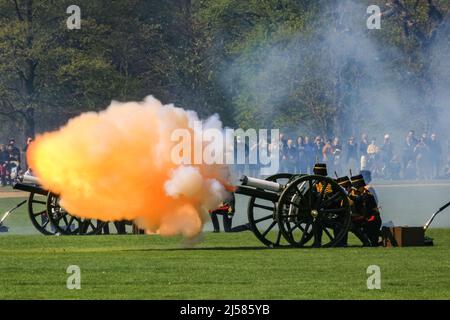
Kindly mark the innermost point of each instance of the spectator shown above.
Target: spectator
(435, 155)
(425, 137)
(386, 154)
(281, 148)
(387, 149)
(4, 157)
(412, 137)
(363, 145)
(336, 150)
(14, 150)
(372, 148)
(421, 152)
(283, 141)
(310, 155)
(318, 146)
(327, 155)
(408, 150)
(25, 149)
(290, 156)
(372, 158)
(351, 158)
(302, 161)
(12, 163)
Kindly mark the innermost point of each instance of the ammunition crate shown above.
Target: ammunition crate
(403, 236)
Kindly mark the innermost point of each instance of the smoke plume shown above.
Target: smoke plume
(116, 164)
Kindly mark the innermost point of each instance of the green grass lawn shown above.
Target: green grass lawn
(222, 266)
(18, 221)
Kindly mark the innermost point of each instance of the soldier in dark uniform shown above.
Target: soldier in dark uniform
(320, 169)
(227, 210)
(346, 184)
(367, 175)
(366, 222)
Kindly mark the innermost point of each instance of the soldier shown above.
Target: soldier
(227, 210)
(346, 184)
(320, 169)
(367, 175)
(367, 221)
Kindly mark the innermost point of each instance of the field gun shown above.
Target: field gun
(47, 215)
(296, 210)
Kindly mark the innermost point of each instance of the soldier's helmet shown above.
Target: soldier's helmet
(367, 175)
(344, 182)
(320, 169)
(358, 181)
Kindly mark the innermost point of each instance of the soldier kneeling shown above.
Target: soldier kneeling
(227, 210)
(366, 221)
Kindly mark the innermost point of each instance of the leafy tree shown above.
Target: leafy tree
(300, 65)
(48, 69)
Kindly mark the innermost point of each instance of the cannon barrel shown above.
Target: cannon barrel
(28, 178)
(263, 189)
(261, 184)
(262, 194)
(30, 184)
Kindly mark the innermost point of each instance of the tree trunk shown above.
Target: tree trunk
(29, 123)
(29, 76)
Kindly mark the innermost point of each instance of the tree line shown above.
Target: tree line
(290, 64)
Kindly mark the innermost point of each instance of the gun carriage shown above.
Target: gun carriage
(297, 210)
(47, 215)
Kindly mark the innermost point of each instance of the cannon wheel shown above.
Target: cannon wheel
(67, 224)
(37, 210)
(260, 213)
(313, 211)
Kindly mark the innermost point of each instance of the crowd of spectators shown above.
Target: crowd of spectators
(12, 161)
(421, 157)
(418, 158)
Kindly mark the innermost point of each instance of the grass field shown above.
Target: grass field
(222, 266)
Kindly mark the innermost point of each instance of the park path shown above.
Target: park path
(13, 194)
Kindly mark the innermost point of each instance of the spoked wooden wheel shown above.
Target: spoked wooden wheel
(261, 216)
(37, 210)
(313, 211)
(67, 224)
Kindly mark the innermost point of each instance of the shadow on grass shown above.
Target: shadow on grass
(250, 248)
(202, 249)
